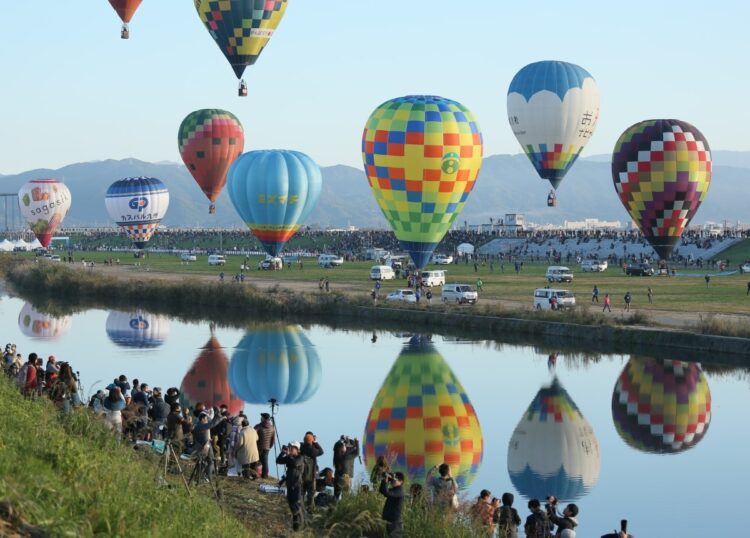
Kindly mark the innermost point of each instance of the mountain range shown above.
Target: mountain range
(506, 184)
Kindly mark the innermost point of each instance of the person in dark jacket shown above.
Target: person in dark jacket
(394, 503)
(175, 433)
(290, 456)
(507, 518)
(123, 384)
(202, 436)
(310, 449)
(568, 519)
(266, 439)
(172, 396)
(158, 412)
(537, 523)
(345, 451)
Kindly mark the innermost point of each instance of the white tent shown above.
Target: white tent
(35, 244)
(6, 246)
(465, 248)
(21, 244)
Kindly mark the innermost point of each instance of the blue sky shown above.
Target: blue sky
(74, 91)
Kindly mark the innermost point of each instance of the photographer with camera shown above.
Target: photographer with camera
(537, 523)
(202, 435)
(290, 456)
(394, 502)
(345, 451)
(568, 520)
(310, 451)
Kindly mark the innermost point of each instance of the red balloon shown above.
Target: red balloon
(207, 381)
(125, 8)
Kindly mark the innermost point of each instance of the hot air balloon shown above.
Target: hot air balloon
(138, 204)
(274, 191)
(661, 406)
(44, 204)
(662, 170)
(241, 29)
(125, 9)
(209, 141)
(553, 109)
(207, 380)
(422, 417)
(553, 450)
(275, 362)
(137, 329)
(36, 324)
(422, 155)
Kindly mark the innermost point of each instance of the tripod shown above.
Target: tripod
(203, 470)
(170, 458)
(277, 443)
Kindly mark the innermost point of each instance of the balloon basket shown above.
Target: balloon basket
(125, 32)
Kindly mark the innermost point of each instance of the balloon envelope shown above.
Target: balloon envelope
(207, 380)
(137, 204)
(553, 450)
(275, 362)
(44, 204)
(125, 8)
(553, 109)
(422, 155)
(274, 191)
(422, 417)
(36, 324)
(209, 141)
(241, 28)
(662, 171)
(661, 406)
(137, 329)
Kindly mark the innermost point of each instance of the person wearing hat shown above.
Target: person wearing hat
(266, 439)
(290, 456)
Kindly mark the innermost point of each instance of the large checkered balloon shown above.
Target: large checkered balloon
(661, 406)
(209, 141)
(553, 450)
(241, 28)
(137, 204)
(422, 417)
(662, 170)
(422, 155)
(553, 109)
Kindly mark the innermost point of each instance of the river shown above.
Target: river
(660, 442)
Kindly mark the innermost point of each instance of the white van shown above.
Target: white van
(330, 260)
(558, 273)
(216, 259)
(565, 298)
(382, 272)
(459, 293)
(593, 266)
(433, 278)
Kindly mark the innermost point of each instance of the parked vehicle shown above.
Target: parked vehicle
(639, 269)
(216, 259)
(406, 296)
(54, 258)
(593, 266)
(330, 260)
(382, 272)
(442, 259)
(459, 294)
(565, 298)
(187, 257)
(558, 273)
(745, 267)
(433, 278)
(271, 264)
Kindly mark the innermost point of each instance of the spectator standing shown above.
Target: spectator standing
(290, 457)
(595, 294)
(607, 303)
(394, 502)
(507, 518)
(266, 439)
(650, 295)
(627, 299)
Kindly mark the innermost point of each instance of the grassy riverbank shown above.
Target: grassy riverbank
(70, 477)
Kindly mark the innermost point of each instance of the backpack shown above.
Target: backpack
(506, 525)
(21, 376)
(308, 469)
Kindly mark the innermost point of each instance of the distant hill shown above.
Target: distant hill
(507, 184)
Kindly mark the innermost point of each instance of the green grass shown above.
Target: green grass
(726, 294)
(737, 253)
(71, 478)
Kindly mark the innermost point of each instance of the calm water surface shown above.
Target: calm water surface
(660, 443)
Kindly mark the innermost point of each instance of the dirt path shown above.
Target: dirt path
(661, 318)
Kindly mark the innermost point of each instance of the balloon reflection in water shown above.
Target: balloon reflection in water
(422, 417)
(661, 406)
(553, 450)
(275, 362)
(36, 324)
(137, 329)
(207, 380)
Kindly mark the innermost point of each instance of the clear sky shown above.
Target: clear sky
(73, 91)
